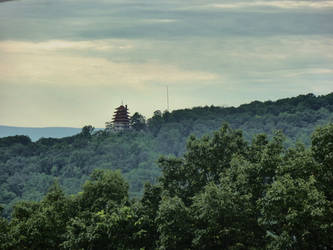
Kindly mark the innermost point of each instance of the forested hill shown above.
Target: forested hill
(37, 133)
(296, 117)
(224, 193)
(28, 168)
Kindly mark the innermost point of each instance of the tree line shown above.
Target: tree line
(28, 168)
(223, 193)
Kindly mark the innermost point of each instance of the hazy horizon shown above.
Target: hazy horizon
(147, 117)
(70, 63)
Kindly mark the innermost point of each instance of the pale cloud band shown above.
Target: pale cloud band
(70, 62)
(50, 63)
(277, 4)
(59, 45)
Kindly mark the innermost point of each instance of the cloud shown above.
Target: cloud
(277, 4)
(58, 45)
(47, 63)
(310, 71)
(159, 20)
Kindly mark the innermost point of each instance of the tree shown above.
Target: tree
(223, 219)
(87, 131)
(174, 224)
(154, 124)
(225, 214)
(102, 230)
(4, 232)
(41, 225)
(204, 162)
(147, 234)
(105, 218)
(293, 213)
(322, 148)
(138, 121)
(108, 126)
(104, 189)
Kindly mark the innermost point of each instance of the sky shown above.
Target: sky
(72, 62)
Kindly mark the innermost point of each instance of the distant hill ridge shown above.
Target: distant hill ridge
(28, 168)
(303, 111)
(36, 133)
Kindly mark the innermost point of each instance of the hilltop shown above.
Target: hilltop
(28, 168)
(36, 133)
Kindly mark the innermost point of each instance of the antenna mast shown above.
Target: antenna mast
(167, 92)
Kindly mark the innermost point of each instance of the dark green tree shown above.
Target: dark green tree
(5, 237)
(322, 148)
(87, 131)
(204, 162)
(105, 219)
(102, 230)
(138, 121)
(147, 234)
(104, 190)
(41, 225)
(174, 224)
(293, 213)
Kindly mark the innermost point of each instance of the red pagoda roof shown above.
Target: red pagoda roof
(121, 115)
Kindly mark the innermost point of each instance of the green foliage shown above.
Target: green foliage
(224, 219)
(41, 225)
(203, 162)
(322, 145)
(138, 121)
(17, 139)
(146, 212)
(174, 224)
(101, 230)
(293, 213)
(265, 197)
(220, 191)
(28, 168)
(223, 193)
(322, 148)
(103, 190)
(103, 218)
(87, 131)
(5, 238)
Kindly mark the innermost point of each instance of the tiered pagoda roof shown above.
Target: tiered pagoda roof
(121, 117)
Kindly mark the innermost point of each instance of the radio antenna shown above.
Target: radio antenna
(167, 92)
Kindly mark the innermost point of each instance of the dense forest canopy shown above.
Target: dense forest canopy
(28, 168)
(223, 193)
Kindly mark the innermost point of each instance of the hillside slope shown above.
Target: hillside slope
(28, 168)
(37, 133)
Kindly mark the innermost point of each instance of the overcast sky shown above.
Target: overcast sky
(72, 62)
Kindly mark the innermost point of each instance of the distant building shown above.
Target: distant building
(121, 120)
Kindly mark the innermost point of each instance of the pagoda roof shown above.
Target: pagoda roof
(121, 115)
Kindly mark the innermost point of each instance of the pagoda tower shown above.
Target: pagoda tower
(121, 120)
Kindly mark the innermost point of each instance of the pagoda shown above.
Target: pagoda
(121, 120)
